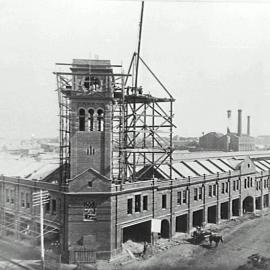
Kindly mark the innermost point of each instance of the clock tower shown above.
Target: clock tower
(90, 130)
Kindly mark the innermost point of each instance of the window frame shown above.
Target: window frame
(195, 194)
(130, 206)
(222, 188)
(179, 197)
(137, 203)
(82, 117)
(164, 201)
(185, 192)
(145, 202)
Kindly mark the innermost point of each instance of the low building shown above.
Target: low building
(96, 215)
(210, 141)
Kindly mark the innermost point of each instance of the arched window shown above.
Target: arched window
(81, 120)
(91, 119)
(100, 120)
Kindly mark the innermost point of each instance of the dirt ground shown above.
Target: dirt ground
(242, 238)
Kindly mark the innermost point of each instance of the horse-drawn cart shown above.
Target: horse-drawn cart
(201, 235)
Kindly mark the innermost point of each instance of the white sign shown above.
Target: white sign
(40, 197)
(156, 225)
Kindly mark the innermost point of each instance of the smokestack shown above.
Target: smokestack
(248, 125)
(239, 125)
(229, 114)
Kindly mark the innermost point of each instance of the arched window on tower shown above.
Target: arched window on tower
(81, 120)
(91, 119)
(100, 120)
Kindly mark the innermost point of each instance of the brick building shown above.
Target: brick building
(99, 198)
(230, 141)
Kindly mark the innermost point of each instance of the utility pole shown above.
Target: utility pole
(39, 199)
(139, 48)
(41, 232)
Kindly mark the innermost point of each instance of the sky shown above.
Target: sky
(212, 56)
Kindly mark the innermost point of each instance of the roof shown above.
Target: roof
(202, 167)
(27, 167)
(94, 62)
(262, 164)
(216, 134)
(209, 163)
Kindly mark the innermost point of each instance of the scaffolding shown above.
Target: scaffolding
(68, 86)
(141, 151)
(144, 146)
(141, 124)
(64, 83)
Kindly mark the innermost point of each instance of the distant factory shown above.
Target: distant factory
(230, 141)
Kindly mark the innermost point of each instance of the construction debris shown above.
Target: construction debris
(256, 261)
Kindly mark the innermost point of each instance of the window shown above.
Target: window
(195, 194)
(22, 199)
(81, 120)
(86, 83)
(264, 183)
(53, 206)
(7, 196)
(164, 201)
(27, 199)
(210, 190)
(91, 83)
(100, 120)
(248, 182)
(129, 206)
(184, 196)
(145, 203)
(90, 183)
(59, 204)
(200, 193)
(257, 185)
(48, 206)
(251, 182)
(137, 203)
(179, 199)
(222, 188)
(237, 184)
(227, 187)
(90, 151)
(245, 183)
(234, 185)
(89, 211)
(214, 190)
(91, 119)
(12, 193)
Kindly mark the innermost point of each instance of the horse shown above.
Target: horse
(215, 238)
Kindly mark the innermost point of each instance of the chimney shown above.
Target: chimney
(229, 114)
(239, 124)
(248, 125)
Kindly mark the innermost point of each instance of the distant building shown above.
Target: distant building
(50, 147)
(263, 142)
(230, 141)
(210, 140)
(185, 143)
